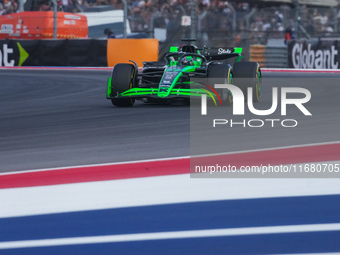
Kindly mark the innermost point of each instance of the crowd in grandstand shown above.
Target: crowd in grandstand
(213, 16)
(8, 6)
(226, 16)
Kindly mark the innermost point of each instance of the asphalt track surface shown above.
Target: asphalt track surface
(57, 118)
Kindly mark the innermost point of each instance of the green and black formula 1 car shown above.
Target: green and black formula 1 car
(186, 74)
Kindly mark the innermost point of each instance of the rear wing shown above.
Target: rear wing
(212, 53)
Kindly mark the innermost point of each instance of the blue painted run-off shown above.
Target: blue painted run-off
(186, 216)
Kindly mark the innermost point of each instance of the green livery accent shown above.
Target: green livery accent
(238, 50)
(170, 78)
(173, 63)
(137, 92)
(23, 54)
(259, 77)
(173, 49)
(108, 93)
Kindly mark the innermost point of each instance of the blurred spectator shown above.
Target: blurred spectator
(14, 6)
(64, 4)
(7, 6)
(309, 27)
(229, 22)
(2, 9)
(328, 30)
(288, 35)
(109, 33)
(46, 6)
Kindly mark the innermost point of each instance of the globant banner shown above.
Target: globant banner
(318, 54)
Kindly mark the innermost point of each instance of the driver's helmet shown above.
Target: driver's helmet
(188, 61)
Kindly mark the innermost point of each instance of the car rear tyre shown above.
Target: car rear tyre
(248, 75)
(123, 79)
(221, 74)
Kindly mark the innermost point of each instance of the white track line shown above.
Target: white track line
(159, 190)
(330, 253)
(293, 70)
(285, 70)
(170, 235)
(170, 158)
(268, 149)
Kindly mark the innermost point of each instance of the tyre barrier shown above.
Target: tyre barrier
(256, 54)
(269, 57)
